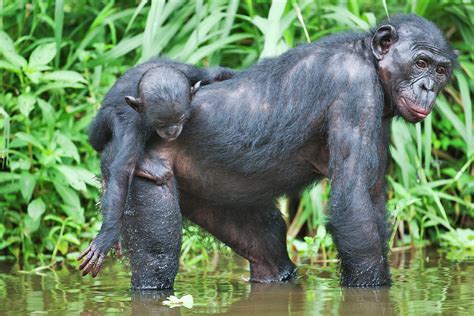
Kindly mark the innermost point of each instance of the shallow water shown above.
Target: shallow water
(424, 284)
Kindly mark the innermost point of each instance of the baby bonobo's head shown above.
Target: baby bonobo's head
(164, 99)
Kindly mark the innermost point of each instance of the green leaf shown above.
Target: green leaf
(47, 110)
(26, 103)
(29, 139)
(71, 177)
(31, 225)
(27, 185)
(68, 149)
(7, 48)
(36, 208)
(2, 231)
(72, 239)
(74, 213)
(8, 66)
(42, 55)
(68, 76)
(63, 246)
(69, 196)
(8, 176)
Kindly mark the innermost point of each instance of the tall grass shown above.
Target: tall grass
(58, 58)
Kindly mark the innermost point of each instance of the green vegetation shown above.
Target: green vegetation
(58, 59)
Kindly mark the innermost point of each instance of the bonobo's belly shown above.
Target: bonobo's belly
(218, 184)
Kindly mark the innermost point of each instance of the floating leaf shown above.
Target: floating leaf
(173, 301)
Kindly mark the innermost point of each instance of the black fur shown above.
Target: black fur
(152, 98)
(319, 110)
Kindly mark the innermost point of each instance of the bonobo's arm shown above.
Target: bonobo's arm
(205, 75)
(131, 145)
(354, 168)
(100, 130)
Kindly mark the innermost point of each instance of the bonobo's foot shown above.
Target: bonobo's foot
(367, 273)
(96, 252)
(261, 273)
(159, 173)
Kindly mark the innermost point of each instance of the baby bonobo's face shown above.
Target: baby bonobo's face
(166, 119)
(164, 101)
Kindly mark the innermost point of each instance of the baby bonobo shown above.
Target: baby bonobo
(160, 108)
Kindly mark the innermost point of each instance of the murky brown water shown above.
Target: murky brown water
(424, 284)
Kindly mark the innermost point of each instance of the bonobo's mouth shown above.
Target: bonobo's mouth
(416, 111)
(166, 136)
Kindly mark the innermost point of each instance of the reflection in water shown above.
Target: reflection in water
(366, 302)
(423, 284)
(151, 303)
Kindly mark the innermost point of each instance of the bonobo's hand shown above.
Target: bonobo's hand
(96, 252)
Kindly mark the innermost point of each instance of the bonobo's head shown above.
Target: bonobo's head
(415, 62)
(164, 99)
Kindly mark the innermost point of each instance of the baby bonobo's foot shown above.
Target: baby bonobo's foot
(96, 252)
(159, 173)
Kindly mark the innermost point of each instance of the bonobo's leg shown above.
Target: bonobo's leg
(357, 222)
(152, 234)
(259, 236)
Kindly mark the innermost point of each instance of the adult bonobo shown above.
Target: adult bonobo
(319, 110)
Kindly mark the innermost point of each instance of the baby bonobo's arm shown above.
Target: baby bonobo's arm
(205, 75)
(100, 130)
(220, 74)
(131, 145)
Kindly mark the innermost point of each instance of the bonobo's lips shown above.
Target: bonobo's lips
(414, 109)
(167, 137)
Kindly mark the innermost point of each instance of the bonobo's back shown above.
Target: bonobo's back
(267, 113)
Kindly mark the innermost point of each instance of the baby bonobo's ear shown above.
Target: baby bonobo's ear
(135, 103)
(195, 88)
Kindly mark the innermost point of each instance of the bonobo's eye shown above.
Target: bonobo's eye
(421, 63)
(441, 70)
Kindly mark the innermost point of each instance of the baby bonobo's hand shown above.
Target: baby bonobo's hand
(96, 252)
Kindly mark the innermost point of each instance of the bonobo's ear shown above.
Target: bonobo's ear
(135, 103)
(383, 38)
(195, 88)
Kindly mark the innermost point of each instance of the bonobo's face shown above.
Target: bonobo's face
(166, 119)
(164, 101)
(414, 65)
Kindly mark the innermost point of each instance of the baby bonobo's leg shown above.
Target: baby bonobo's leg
(159, 170)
